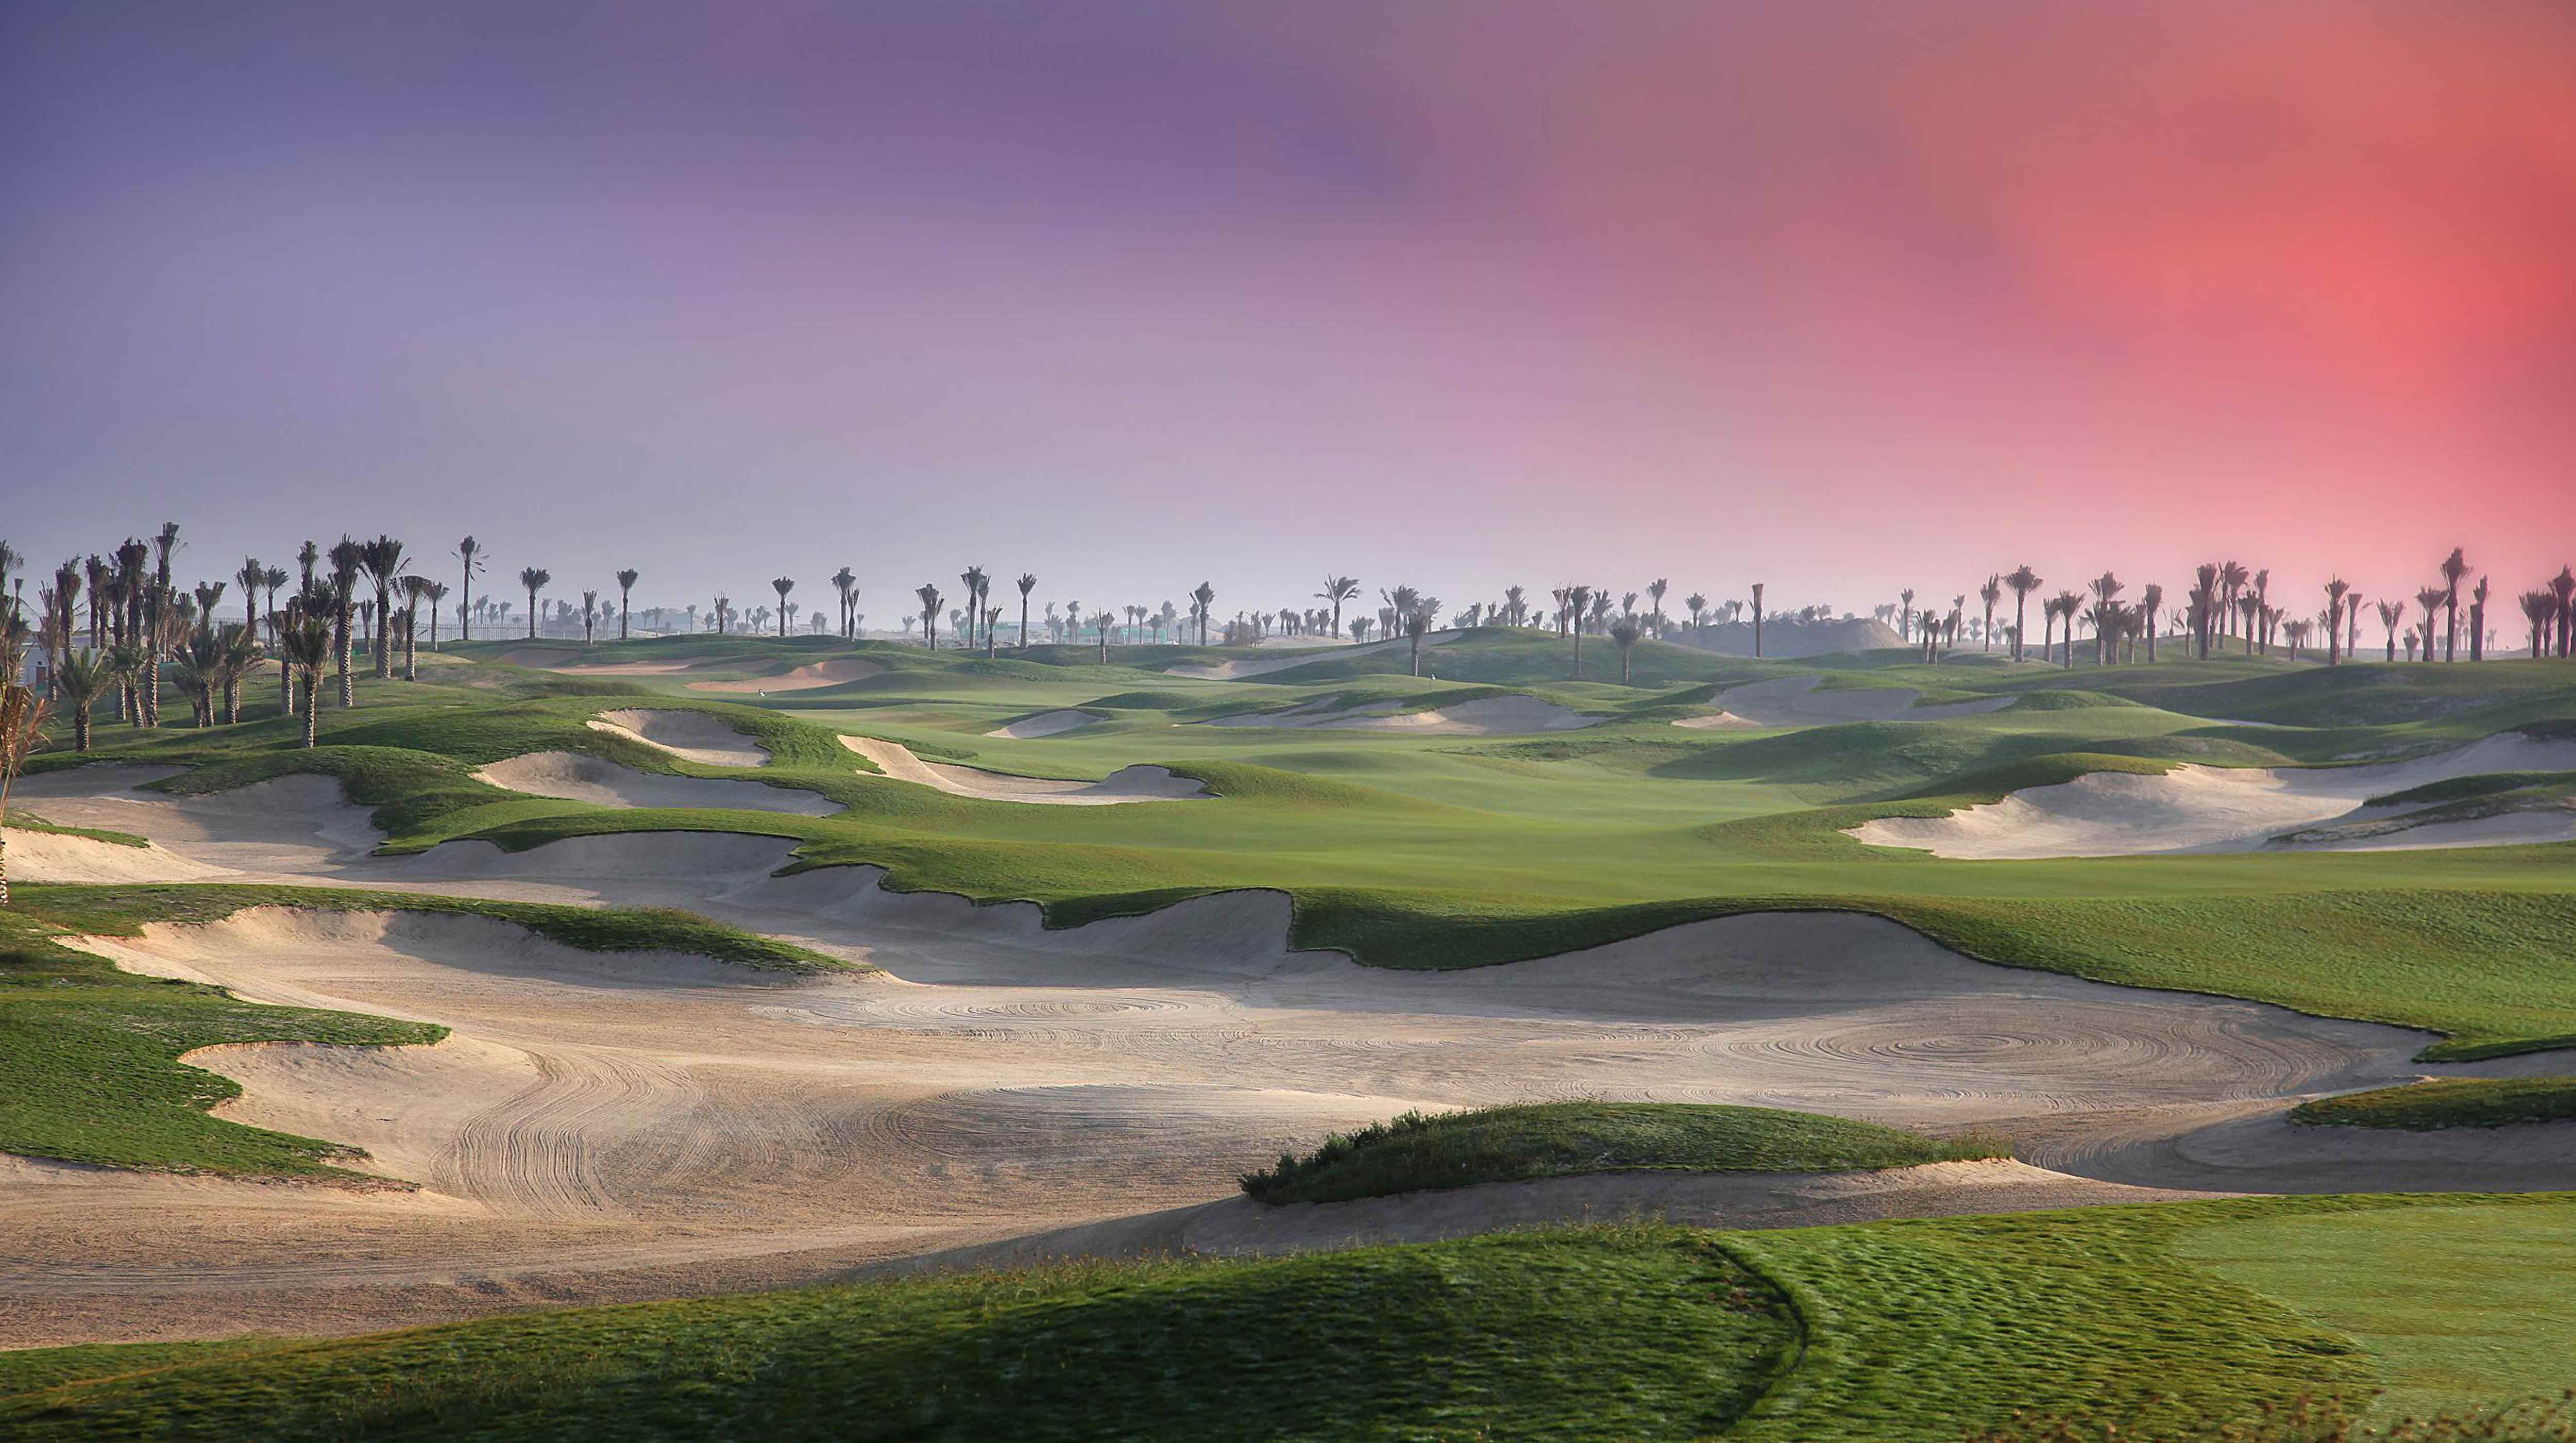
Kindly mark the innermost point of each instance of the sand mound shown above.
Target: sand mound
(2236, 809)
(52, 857)
(692, 736)
(804, 678)
(1045, 724)
(1322, 649)
(579, 778)
(1797, 701)
(1127, 784)
(1488, 716)
(1717, 721)
(292, 826)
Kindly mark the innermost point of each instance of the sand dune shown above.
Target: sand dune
(1488, 716)
(1127, 784)
(291, 826)
(808, 677)
(1322, 650)
(1045, 724)
(1798, 701)
(689, 735)
(53, 857)
(2235, 809)
(580, 778)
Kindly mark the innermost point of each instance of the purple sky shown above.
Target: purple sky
(1839, 297)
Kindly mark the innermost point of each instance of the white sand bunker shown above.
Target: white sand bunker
(1797, 701)
(804, 678)
(578, 778)
(693, 736)
(1314, 650)
(2236, 809)
(1045, 724)
(1488, 716)
(293, 825)
(1127, 784)
(52, 857)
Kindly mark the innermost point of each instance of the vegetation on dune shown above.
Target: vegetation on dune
(1420, 1151)
(18, 821)
(1633, 1333)
(2444, 1102)
(89, 1068)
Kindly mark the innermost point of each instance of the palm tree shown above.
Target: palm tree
(22, 731)
(2250, 606)
(1905, 614)
(590, 617)
(2150, 601)
(2352, 625)
(2335, 590)
(1027, 583)
(83, 675)
(626, 580)
(471, 554)
(383, 560)
(2538, 607)
(2023, 582)
(846, 583)
(1203, 598)
(270, 580)
(1338, 589)
(1576, 599)
(2105, 589)
(534, 579)
(1419, 618)
(929, 615)
(248, 578)
(1655, 590)
(2454, 566)
(2068, 603)
(1624, 632)
(2429, 601)
(782, 585)
(2563, 587)
(305, 646)
(2478, 621)
(1757, 619)
(346, 558)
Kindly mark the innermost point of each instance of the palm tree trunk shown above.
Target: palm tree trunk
(1024, 620)
(411, 654)
(312, 710)
(2021, 618)
(1417, 652)
(285, 687)
(80, 727)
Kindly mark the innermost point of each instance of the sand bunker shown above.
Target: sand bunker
(1321, 649)
(1127, 784)
(692, 736)
(1488, 716)
(2237, 809)
(1798, 701)
(1717, 721)
(53, 857)
(1045, 724)
(289, 827)
(579, 778)
(808, 677)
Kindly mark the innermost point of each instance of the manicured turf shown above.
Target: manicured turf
(1632, 1334)
(2167, 1321)
(2448, 1102)
(1512, 1144)
(89, 1068)
(1448, 851)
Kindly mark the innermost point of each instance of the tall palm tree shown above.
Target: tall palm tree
(845, 582)
(534, 579)
(2068, 603)
(1905, 614)
(1577, 599)
(2335, 590)
(929, 615)
(2352, 625)
(2150, 601)
(418, 589)
(1027, 583)
(2563, 587)
(2023, 582)
(1203, 597)
(2250, 607)
(2454, 566)
(248, 578)
(1338, 589)
(1420, 617)
(2391, 613)
(590, 618)
(1990, 593)
(1624, 632)
(2105, 590)
(383, 561)
(626, 580)
(269, 581)
(2538, 607)
(305, 646)
(470, 553)
(782, 585)
(2478, 621)
(2429, 601)
(83, 675)
(1655, 590)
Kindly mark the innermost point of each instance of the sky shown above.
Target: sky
(1840, 297)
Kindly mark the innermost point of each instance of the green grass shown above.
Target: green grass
(1417, 1151)
(1418, 851)
(1634, 1334)
(2168, 1321)
(2448, 1102)
(89, 1055)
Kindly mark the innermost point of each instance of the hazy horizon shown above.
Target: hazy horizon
(1841, 298)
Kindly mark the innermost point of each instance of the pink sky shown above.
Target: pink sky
(1838, 297)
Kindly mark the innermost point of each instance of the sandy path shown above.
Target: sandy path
(579, 778)
(604, 1127)
(1045, 724)
(809, 677)
(1797, 701)
(2237, 809)
(1488, 716)
(689, 735)
(1127, 784)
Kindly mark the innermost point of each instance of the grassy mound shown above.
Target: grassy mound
(1632, 1334)
(1555, 1139)
(2448, 1102)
